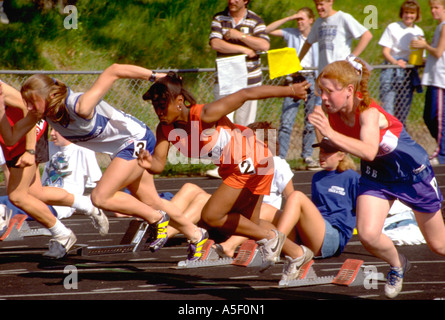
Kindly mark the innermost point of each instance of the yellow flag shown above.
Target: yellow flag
(282, 62)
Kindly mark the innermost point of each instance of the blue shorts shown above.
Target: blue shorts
(331, 242)
(423, 196)
(131, 151)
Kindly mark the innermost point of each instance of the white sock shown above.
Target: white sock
(59, 230)
(82, 203)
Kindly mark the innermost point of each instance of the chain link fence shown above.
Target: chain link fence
(126, 95)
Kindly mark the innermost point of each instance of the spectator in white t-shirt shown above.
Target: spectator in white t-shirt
(398, 84)
(70, 167)
(334, 31)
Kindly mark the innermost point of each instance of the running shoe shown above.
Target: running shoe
(99, 220)
(60, 245)
(394, 279)
(158, 232)
(5, 217)
(195, 248)
(292, 267)
(312, 164)
(270, 249)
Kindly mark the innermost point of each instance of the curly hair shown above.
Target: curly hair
(166, 89)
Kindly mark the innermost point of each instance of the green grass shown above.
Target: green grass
(152, 33)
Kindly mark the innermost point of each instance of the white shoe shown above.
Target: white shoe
(100, 220)
(213, 173)
(271, 249)
(292, 267)
(394, 280)
(311, 164)
(59, 246)
(5, 216)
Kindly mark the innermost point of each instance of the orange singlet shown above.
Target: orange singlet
(244, 161)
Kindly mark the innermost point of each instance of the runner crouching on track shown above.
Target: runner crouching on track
(87, 120)
(245, 164)
(24, 186)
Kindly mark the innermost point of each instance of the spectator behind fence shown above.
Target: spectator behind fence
(434, 80)
(334, 32)
(236, 31)
(295, 38)
(398, 84)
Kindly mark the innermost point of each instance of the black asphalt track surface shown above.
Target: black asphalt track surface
(26, 275)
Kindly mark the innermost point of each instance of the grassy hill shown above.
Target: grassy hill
(151, 33)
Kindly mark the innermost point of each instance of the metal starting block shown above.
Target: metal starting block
(134, 240)
(248, 256)
(18, 228)
(350, 274)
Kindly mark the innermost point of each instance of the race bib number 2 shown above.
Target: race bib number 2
(247, 167)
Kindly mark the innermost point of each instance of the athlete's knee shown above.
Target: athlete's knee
(17, 198)
(368, 237)
(212, 220)
(98, 199)
(437, 247)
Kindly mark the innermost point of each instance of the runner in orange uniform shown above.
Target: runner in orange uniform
(245, 163)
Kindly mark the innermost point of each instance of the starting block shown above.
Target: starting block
(18, 228)
(134, 240)
(351, 274)
(247, 256)
(348, 273)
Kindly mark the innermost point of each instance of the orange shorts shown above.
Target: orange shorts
(257, 180)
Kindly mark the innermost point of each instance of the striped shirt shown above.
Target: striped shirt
(251, 24)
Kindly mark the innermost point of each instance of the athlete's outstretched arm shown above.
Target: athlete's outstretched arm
(214, 111)
(89, 100)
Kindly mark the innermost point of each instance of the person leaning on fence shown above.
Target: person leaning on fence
(235, 31)
(24, 188)
(397, 85)
(87, 120)
(434, 79)
(334, 31)
(295, 38)
(393, 166)
(245, 164)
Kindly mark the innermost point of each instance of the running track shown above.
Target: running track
(26, 275)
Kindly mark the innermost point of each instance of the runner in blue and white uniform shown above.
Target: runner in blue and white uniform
(87, 120)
